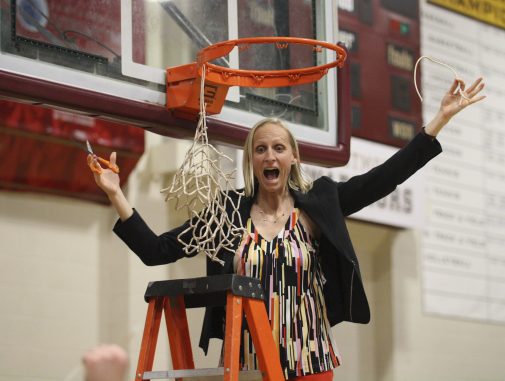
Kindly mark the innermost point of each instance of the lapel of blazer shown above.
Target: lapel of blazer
(244, 211)
(324, 216)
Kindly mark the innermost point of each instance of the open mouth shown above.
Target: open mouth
(271, 174)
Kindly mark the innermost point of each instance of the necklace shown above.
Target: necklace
(276, 219)
(264, 216)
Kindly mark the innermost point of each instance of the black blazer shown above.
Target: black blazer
(327, 203)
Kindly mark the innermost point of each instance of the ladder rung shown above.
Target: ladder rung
(202, 372)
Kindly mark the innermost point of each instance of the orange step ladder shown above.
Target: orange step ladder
(240, 294)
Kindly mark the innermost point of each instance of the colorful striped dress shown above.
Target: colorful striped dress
(291, 276)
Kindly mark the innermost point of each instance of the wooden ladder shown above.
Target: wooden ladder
(240, 294)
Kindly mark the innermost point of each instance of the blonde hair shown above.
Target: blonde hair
(296, 178)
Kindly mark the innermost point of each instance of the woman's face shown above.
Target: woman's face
(272, 157)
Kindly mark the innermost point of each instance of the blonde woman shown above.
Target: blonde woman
(296, 240)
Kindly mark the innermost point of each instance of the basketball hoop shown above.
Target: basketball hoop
(183, 82)
(199, 89)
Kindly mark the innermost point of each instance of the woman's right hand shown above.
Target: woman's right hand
(105, 178)
(108, 181)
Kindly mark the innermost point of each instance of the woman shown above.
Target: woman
(296, 241)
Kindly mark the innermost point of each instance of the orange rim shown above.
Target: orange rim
(266, 78)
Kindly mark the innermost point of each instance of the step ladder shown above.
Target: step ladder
(241, 295)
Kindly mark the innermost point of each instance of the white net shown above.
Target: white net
(201, 183)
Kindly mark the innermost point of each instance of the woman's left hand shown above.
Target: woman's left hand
(453, 102)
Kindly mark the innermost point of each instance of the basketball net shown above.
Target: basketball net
(200, 182)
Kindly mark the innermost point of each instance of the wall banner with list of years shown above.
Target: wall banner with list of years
(463, 244)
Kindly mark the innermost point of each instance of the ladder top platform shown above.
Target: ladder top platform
(206, 291)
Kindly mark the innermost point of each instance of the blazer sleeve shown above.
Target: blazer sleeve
(152, 249)
(363, 190)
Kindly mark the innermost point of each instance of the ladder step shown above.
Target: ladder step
(202, 372)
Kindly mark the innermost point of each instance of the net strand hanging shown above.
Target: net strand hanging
(458, 90)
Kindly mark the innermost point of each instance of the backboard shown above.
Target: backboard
(108, 59)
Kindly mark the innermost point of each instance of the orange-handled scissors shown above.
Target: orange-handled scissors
(96, 168)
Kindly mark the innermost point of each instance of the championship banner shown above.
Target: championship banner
(488, 11)
(462, 259)
(44, 150)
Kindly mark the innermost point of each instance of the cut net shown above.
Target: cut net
(459, 89)
(200, 181)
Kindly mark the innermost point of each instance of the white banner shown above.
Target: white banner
(463, 245)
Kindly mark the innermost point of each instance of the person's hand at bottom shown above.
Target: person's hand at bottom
(107, 362)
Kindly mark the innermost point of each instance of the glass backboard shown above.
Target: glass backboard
(108, 58)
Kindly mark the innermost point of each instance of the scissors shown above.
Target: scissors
(96, 168)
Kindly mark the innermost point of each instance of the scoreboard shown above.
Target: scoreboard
(383, 39)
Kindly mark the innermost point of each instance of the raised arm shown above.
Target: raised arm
(151, 248)
(363, 190)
